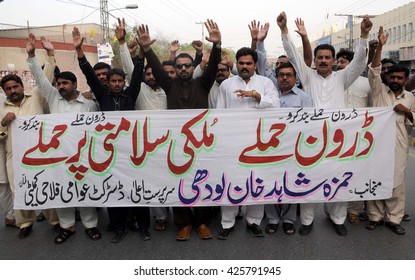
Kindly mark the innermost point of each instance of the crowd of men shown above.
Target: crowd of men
(213, 80)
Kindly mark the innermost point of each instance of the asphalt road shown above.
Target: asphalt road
(322, 243)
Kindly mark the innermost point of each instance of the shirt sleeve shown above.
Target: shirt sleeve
(48, 91)
(269, 99)
(126, 61)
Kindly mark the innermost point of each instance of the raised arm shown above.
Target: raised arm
(375, 80)
(303, 71)
(145, 41)
(215, 37)
(198, 46)
(254, 30)
(125, 55)
(174, 47)
(382, 39)
(48, 91)
(86, 68)
(307, 52)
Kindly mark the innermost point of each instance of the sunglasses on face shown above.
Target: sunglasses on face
(187, 66)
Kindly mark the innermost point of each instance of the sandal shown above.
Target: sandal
(271, 228)
(63, 236)
(372, 225)
(353, 218)
(160, 225)
(288, 228)
(93, 233)
(396, 228)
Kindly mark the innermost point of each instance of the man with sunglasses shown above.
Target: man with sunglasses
(184, 92)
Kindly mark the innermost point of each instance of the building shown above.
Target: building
(398, 23)
(13, 49)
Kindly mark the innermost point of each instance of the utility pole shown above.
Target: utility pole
(350, 25)
(105, 28)
(203, 32)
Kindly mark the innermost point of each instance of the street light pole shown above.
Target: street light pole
(105, 13)
(350, 25)
(103, 8)
(203, 32)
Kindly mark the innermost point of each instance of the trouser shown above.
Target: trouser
(355, 207)
(160, 213)
(391, 209)
(254, 215)
(25, 218)
(89, 217)
(6, 194)
(285, 212)
(6, 201)
(196, 216)
(336, 210)
(118, 217)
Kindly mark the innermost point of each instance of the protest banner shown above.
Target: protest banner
(203, 157)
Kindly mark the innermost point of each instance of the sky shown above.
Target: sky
(180, 19)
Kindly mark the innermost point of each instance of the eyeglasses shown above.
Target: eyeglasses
(223, 70)
(287, 75)
(187, 66)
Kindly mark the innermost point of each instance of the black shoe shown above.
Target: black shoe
(396, 228)
(40, 217)
(145, 234)
(225, 233)
(133, 226)
(255, 230)
(406, 218)
(25, 232)
(363, 216)
(119, 235)
(340, 229)
(372, 225)
(305, 230)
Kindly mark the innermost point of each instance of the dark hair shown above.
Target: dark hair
(66, 75)
(115, 71)
(246, 51)
(101, 65)
(146, 67)
(282, 56)
(325, 47)
(183, 55)
(227, 67)
(387, 60)
(285, 65)
(11, 77)
(399, 68)
(167, 63)
(346, 54)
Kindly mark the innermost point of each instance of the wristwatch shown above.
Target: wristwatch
(254, 94)
(218, 45)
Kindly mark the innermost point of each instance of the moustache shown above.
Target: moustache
(323, 64)
(395, 86)
(244, 70)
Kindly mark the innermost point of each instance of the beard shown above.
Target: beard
(395, 87)
(15, 97)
